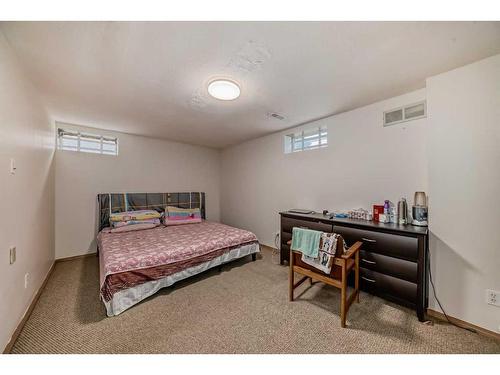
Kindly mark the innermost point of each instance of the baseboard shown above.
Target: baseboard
(266, 246)
(75, 257)
(464, 324)
(28, 312)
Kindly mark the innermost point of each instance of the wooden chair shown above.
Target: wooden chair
(341, 268)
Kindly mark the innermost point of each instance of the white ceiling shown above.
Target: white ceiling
(150, 78)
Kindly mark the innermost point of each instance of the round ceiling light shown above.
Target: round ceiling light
(224, 89)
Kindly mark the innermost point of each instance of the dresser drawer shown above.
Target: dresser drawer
(387, 286)
(287, 224)
(393, 245)
(402, 269)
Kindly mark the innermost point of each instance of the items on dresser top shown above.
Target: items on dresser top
(393, 257)
(377, 210)
(402, 212)
(384, 218)
(419, 209)
(301, 211)
(339, 214)
(359, 213)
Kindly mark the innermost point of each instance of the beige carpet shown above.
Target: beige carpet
(243, 309)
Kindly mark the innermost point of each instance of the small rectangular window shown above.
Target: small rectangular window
(308, 139)
(85, 142)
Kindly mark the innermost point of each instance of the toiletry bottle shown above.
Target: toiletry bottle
(387, 207)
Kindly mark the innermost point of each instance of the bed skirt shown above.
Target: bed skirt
(127, 298)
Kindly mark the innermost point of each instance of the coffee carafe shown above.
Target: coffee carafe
(402, 211)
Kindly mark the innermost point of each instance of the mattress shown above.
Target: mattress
(130, 259)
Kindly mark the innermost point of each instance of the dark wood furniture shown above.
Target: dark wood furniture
(393, 258)
(337, 277)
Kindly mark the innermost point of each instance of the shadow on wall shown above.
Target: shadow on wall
(89, 307)
(449, 285)
(49, 191)
(92, 248)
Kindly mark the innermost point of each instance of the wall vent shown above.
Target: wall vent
(409, 112)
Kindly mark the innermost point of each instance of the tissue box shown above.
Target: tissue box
(383, 218)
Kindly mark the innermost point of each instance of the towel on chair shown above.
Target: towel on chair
(306, 241)
(326, 254)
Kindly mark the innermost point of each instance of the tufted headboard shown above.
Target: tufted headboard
(118, 202)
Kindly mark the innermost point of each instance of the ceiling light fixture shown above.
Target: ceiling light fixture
(224, 89)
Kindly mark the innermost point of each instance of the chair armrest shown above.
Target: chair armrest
(352, 250)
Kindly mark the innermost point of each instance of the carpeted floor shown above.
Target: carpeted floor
(243, 309)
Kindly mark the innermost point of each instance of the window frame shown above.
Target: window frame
(319, 133)
(80, 136)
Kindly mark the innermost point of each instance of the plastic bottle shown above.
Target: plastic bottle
(387, 207)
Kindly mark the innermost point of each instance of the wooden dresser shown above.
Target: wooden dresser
(393, 258)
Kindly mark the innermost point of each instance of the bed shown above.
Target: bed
(135, 265)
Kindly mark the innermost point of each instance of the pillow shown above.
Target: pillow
(134, 215)
(176, 215)
(130, 228)
(118, 224)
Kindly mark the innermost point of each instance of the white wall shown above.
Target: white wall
(363, 164)
(143, 165)
(464, 189)
(27, 219)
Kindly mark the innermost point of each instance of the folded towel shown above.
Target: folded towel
(306, 241)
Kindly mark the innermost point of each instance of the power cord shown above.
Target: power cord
(276, 243)
(276, 252)
(439, 303)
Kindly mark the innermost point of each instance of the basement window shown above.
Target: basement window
(308, 139)
(85, 142)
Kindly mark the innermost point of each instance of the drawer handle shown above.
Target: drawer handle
(368, 261)
(367, 279)
(368, 240)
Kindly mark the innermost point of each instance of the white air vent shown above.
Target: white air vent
(276, 116)
(406, 113)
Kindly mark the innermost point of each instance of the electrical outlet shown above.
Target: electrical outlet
(26, 280)
(12, 254)
(492, 297)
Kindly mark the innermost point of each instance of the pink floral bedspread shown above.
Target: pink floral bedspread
(129, 251)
